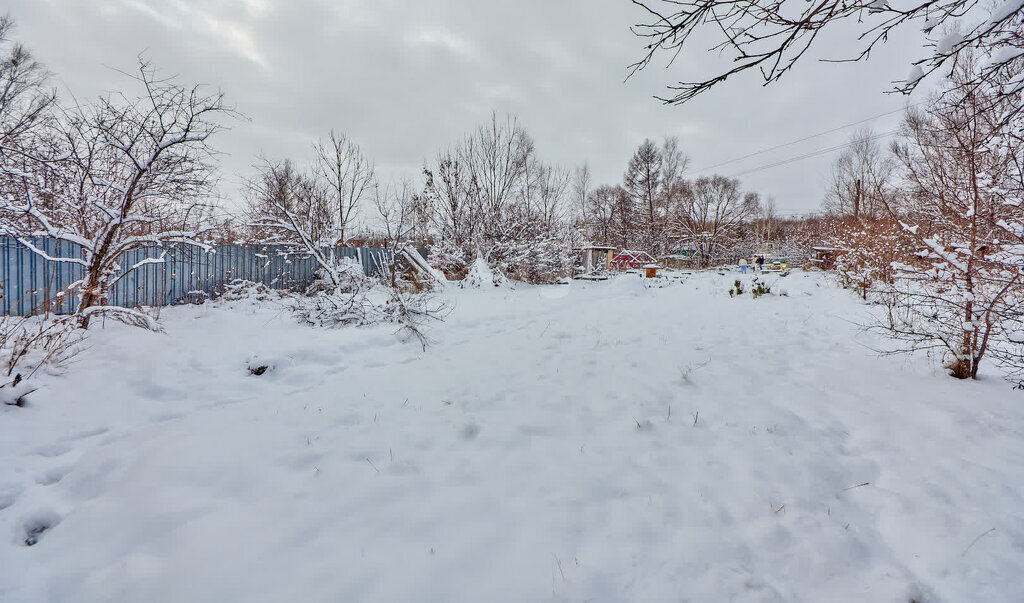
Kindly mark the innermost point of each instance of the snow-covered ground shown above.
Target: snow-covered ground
(596, 441)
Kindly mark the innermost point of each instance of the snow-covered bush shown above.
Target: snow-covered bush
(759, 288)
(28, 344)
(452, 259)
(872, 247)
(540, 260)
(480, 275)
(548, 260)
(527, 258)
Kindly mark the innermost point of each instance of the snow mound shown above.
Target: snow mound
(480, 275)
(628, 284)
(259, 364)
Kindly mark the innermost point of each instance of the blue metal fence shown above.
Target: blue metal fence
(31, 284)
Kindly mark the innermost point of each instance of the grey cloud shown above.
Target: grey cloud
(407, 78)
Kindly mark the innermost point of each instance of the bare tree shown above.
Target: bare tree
(674, 163)
(863, 179)
(347, 173)
(421, 209)
(582, 184)
(712, 211)
(601, 204)
(125, 173)
(407, 306)
(497, 156)
(552, 184)
(770, 37)
(494, 198)
(25, 98)
(288, 206)
(453, 191)
(960, 159)
(766, 225)
(324, 197)
(626, 222)
(394, 203)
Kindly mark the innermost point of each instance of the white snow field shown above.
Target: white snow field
(589, 442)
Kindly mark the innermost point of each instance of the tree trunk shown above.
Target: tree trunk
(91, 296)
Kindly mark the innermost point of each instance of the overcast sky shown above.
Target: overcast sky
(407, 78)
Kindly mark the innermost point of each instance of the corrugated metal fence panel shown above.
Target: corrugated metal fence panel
(30, 282)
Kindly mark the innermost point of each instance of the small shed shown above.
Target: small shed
(651, 270)
(627, 259)
(595, 258)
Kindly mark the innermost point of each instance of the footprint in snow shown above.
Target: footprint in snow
(52, 450)
(469, 431)
(87, 434)
(53, 476)
(35, 526)
(9, 495)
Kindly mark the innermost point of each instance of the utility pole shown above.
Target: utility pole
(856, 200)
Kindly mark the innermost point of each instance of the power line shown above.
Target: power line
(809, 155)
(805, 138)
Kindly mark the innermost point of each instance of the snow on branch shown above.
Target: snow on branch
(125, 172)
(127, 316)
(771, 37)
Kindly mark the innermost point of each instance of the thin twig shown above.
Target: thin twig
(975, 541)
